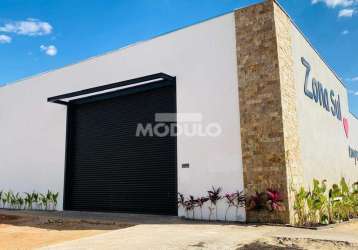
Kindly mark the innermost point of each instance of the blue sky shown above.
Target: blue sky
(41, 35)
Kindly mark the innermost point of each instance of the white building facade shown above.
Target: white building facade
(202, 64)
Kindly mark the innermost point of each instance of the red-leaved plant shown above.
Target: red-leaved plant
(230, 199)
(189, 205)
(274, 201)
(271, 200)
(256, 201)
(181, 200)
(200, 203)
(214, 197)
(240, 199)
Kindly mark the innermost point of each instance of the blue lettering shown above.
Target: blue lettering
(333, 108)
(315, 89)
(325, 99)
(339, 113)
(308, 70)
(320, 94)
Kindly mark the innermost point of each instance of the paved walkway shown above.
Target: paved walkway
(184, 236)
(169, 232)
(166, 237)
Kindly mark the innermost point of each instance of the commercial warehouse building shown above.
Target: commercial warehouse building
(275, 116)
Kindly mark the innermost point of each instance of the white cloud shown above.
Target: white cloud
(345, 32)
(5, 39)
(50, 50)
(352, 92)
(346, 13)
(335, 3)
(353, 79)
(29, 27)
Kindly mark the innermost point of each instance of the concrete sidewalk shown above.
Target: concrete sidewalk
(167, 237)
(170, 232)
(184, 236)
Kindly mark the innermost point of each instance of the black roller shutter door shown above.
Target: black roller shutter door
(108, 167)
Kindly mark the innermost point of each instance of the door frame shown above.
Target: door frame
(103, 96)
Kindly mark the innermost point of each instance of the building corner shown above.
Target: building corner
(267, 96)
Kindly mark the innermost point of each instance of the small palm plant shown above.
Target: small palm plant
(19, 201)
(181, 200)
(28, 200)
(214, 197)
(35, 199)
(189, 206)
(230, 199)
(240, 201)
(49, 199)
(237, 200)
(43, 201)
(5, 199)
(193, 204)
(200, 203)
(11, 199)
(54, 198)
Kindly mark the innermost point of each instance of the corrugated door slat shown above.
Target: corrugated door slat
(109, 168)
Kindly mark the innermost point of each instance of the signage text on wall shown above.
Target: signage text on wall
(327, 99)
(320, 94)
(353, 154)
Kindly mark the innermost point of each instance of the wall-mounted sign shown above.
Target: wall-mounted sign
(185, 165)
(317, 92)
(328, 100)
(353, 154)
(346, 126)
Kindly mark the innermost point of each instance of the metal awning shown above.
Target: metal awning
(110, 89)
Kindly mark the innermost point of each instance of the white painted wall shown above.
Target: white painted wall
(324, 146)
(202, 57)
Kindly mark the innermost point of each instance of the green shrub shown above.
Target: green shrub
(321, 207)
(45, 201)
(300, 207)
(341, 203)
(354, 197)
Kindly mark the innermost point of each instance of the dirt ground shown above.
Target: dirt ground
(308, 239)
(296, 244)
(34, 232)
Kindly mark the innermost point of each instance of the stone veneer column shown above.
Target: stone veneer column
(269, 125)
